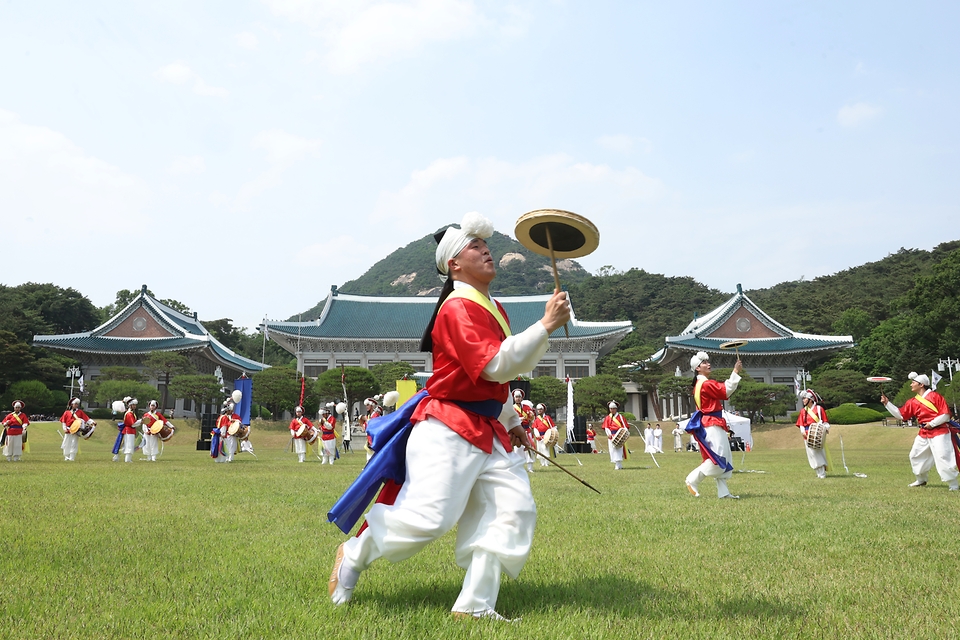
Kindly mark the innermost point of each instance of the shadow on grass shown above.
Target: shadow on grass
(609, 594)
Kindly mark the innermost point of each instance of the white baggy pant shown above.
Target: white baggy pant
(451, 482)
(151, 446)
(14, 447)
(542, 448)
(938, 450)
(229, 447)
(70, 446)
(616, 453)
(719, 443)
(816, 457)
(329, 451)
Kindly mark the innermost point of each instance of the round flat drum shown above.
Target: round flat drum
(572, 235)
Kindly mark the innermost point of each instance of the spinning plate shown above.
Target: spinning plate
(733, 344)
(879, 379)
(571, 235)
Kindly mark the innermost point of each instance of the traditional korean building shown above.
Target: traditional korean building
(142, 327)
(774, 354)
(363, 331)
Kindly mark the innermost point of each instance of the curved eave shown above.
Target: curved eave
(578, 330)
(119, 346)
(232, 359)
(762, 347)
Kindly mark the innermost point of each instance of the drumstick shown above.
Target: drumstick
(556, 275)
(562, 468)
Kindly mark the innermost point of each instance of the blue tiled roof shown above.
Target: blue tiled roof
(761, 345)
(88, 343)
(374, 317)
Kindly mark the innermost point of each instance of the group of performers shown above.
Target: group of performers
(539, 429)
(303, 432)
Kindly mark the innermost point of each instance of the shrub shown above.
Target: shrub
(852, 414)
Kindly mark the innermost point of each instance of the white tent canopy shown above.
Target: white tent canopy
(739, 425)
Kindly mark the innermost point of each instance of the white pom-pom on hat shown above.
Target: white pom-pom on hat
(341, 408)
(390, 398)
(922, 378)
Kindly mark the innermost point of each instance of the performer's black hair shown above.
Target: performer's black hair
(426, 342)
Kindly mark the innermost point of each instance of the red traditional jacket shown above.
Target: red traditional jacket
(805, 419)
(710, 400)
(151, 417)
(69, 416)
(542, 424)
(612, 424)
(15, 422)
(295, 425)
(925, 408)
(465, 338)
(327, 427)
(128, 419)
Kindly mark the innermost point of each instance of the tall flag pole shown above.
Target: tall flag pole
(346, 401)
(266, 335)
(570, 417)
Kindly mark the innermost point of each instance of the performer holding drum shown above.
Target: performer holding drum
(302, 431)
(526, 420)
(708, 427)
(814, 426)
(75, 423)
(15, 425)
(328, 435)
(155, 427)
(545, 433)
(592, 440)
(934, 444)
(618, 432)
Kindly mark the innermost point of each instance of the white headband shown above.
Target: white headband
(454, 240)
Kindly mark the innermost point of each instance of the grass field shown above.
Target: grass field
(186, 548)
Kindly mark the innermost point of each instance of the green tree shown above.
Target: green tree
(388, 373)
(844, 386)
(549, 391)
(224, 331)
(109, 390)
(15, 357)
(164, 366)
(34, 394)
(120, 373)
(591, 395)
(361, 384)
(753, 397)
(196, 388)
(854, 322)
(277, 388)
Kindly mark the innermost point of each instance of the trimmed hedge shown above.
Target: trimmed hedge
(852, 414)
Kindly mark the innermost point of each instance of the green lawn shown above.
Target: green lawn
(187, 548)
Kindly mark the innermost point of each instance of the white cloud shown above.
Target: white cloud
(854, 115)
(503, 190)
(360, 32)
(282, 151)
(623, 143)
(247, 40)
(180, 73)
(187, 165)
(49, 186)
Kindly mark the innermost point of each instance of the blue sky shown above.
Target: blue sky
(243, 156)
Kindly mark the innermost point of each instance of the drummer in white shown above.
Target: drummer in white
(812, 414)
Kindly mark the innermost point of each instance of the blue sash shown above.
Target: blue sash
(389, 435)
(215, 442)
(695, 428)
(116, 445)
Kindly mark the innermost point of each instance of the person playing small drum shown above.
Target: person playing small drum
(612, 423)
(542, 423)
(15, 424)
(328, 435)
(813, 416)
(69, 422)
(300, 428)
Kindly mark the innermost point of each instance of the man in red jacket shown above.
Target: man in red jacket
(461, 467)
(934, 444)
